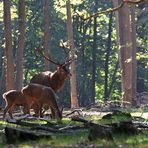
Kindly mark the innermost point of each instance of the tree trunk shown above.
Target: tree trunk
(106, 93)
(83, 97)
(21, 42)
(113, 79)
(2, 84)
(134, 61)
(94, 56)
(73, 84)
(125, 43)
(46, 32)
(9, 65)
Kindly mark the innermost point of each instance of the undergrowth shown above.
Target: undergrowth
(79, 138)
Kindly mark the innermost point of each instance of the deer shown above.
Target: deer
(55, 79)
(15, 98)
(42, 96)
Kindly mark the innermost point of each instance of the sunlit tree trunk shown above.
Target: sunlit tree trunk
(9, 65)
(46, 32)
(126, 50)
(21, 42)
(73, 84)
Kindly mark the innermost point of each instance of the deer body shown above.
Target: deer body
(42, 96)
(55, 79)
(15, 98)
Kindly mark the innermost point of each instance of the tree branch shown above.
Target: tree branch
(111, 9)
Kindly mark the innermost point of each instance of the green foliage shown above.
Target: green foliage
(83, 36)
(79, 138)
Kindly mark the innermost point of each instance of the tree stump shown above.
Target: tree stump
(14, 134)
(97, 131)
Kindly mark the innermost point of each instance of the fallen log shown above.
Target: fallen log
(87, 122)
(47, 128)
(72, 127)
(59, 129)
(17, 134)
(23, 123)
(96, 130)
(124, 127)
(141, 125)
(121, 122)
(34, 119)
(30, 122)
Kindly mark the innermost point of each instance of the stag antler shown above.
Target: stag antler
(40, 51)
(67, 49)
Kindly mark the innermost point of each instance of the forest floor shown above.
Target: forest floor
(76, 138)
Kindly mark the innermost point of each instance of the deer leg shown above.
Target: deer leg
(10, 111)
(45, 108)
(26, 109)
(7, 108)
(35, 107)
(40, 111)
(52, 113)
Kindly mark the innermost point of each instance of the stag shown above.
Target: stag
(42, 96)
(55, 79)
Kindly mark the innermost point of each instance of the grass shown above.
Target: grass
(79, 138)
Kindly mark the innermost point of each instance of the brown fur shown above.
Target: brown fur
(14, 98)
(55, 79)
(42, 96)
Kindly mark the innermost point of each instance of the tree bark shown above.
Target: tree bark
(106, 92)
(9, 65)
(21, 42)
(83, 97)
(134, 61)
(125, 43)
(113, 79)
(73, 84)
(94, 55)
(46, 32)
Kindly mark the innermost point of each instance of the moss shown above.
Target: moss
(79, 138)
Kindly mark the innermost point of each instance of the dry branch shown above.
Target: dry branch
(47, 128)
(89, 123)
(72, 127)
(75, 110)
(110, 9)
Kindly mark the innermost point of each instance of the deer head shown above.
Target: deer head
(62, 69)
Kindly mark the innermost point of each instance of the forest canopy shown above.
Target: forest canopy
(95, 42)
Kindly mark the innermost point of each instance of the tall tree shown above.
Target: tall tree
(134, 61)
(21, 42)
(83, 97)
(46, 32)
(125, 43)
(9, 65)
(94, 49)
(106, 92)
(2, 78)
(73, 84)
